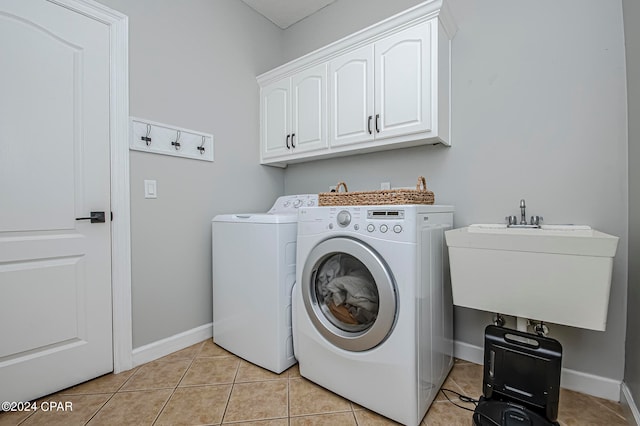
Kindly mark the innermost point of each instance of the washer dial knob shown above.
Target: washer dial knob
(397, 229)
(384, 228)
(344, 218)
(371, 228)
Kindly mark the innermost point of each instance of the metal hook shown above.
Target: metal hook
(146, 138)
(175, 143)
(201, 147)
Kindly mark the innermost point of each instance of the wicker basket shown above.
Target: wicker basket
(420, 195)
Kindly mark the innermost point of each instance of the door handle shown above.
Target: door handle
(288, 136)
(293, 145)
(377, 118)
(96, 217)
(369, 124)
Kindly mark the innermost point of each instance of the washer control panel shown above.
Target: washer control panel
(385, 220)
(390, 223)
(400, 223)
(343, 218)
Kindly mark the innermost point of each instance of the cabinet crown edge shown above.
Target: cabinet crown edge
(420, 13)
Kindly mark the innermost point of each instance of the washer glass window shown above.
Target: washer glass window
(349, 293)
(346, 292)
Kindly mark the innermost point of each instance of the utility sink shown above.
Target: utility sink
(555, 273)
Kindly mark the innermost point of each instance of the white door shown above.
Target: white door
(403, 82)
(309, 109)
(351, 86)
(276, 136)
(55, 270)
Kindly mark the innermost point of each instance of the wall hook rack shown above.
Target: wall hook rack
(176, 143)
(169, 140)
(146, 137)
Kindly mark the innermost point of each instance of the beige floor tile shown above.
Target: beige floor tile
(585, 410)
(469, 378)
(79, 411)
(271, 422)
(294, 371)
(109, 383)
(132, 408)
(450, 384)
(259, 397)
(196, 405)
(334, 419)
(211, 349)
(248, 372)
(158, 374)
(12, 418)
(616, 407)
(461, 361)
(211, 371)
(186, 353)
(447, 414)
(258, 401)
(307, 398)
(369, 418)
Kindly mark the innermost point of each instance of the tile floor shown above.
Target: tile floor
(206, 385)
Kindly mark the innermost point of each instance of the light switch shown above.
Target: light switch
(150, 189)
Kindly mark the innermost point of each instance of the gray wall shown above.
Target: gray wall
(539, 112)
(193, 64)
(632, 41)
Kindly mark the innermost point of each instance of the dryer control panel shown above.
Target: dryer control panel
(291, 203)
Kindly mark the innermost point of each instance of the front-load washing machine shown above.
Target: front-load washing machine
(372, 308)
(254, 263)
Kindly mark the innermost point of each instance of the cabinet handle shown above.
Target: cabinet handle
(288, 136)
(369, 124)
(293, 135)
(377, 118)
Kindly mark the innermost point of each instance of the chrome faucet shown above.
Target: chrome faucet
(512, 221)
(523, 216)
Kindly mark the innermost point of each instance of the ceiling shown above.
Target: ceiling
(284, 13)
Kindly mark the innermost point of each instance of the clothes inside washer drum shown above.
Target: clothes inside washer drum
(357, 294)
(347, 288)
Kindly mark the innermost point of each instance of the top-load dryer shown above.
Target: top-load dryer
(254, 263)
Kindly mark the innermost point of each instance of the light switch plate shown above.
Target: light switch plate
(150, 189)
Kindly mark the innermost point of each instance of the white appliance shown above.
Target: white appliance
(254, 262)
(372, 309)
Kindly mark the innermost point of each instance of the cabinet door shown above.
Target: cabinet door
(403, 81)
(275, 119)
(351, 97)
(309, 109)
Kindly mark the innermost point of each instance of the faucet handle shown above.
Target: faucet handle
(511, 220)
(535, 220)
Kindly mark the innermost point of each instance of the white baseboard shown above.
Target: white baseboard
(171, 344)
(468, 352)
(601, 387)
(627, 401)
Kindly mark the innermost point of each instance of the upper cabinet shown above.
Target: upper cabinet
(385, 87)
(293, 114)
(382, 90)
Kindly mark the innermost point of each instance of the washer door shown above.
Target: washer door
(349, 294)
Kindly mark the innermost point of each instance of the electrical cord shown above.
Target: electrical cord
(468, 400)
